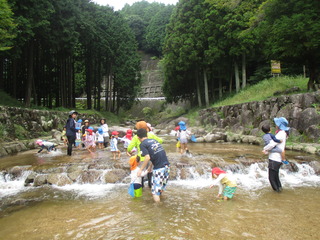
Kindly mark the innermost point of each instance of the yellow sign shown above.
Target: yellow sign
(275, 66)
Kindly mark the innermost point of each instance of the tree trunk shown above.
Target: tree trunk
(206, 91)
(220, 88)
(30, 77)
(244, 72)
(99, 85)
(88, 80)
(198, 89)
(236, 75)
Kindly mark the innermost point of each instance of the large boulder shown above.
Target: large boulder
(313, 132)
(308, 117)
(59, 179)
(114, 176)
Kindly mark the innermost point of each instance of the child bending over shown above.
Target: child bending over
(221, 179)
(137, 181)
(45, 145)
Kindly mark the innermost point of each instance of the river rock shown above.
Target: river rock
(116, 175)
(30, 178)
(74, 175)
(316, 166)
(313, 132)
(185, 173)
(59, 179)
(90, 176)
(40, 180)
(308, 117)
(200, 140)
(173, 173)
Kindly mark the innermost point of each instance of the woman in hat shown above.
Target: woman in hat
(275, 158)
(71, 130)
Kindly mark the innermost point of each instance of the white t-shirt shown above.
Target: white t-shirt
(275, 156)
(134, 176)
(105, 130)
(184, 134)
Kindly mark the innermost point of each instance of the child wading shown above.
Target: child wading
(137, 181)
(45, 145)
(90, 141)
(114, 145)
(221, 179)
(183, 135)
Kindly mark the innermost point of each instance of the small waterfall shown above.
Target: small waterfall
(95, 180)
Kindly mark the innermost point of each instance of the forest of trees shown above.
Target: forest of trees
(217, 46)
(52, 51)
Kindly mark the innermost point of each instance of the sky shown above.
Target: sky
(119, 4)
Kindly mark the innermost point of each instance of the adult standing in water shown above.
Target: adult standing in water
(71, 130)
(153, 151)
(275, 160)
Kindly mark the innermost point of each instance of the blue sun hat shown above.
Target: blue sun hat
(282, 123)
(182, 125)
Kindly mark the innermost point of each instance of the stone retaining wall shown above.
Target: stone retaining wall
(301, 110)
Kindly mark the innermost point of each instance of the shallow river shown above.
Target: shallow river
(189, 209)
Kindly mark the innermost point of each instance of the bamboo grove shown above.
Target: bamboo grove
(61, 48)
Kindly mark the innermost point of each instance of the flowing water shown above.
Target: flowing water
(189, 208)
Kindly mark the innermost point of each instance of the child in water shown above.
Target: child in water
(114, 145)
(183, 135)
(45, 145)
(90, 142)
(78, 139)
(221, 179)
(267, 138)
(100, 139)
(137, 181)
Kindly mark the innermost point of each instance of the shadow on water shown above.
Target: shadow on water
(189, 208)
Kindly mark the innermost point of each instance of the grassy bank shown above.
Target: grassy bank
(258, 92)
(264, 90)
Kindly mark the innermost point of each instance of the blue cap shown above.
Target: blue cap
(282, 123)
(100, 130)
(90, 128)
(182, 125)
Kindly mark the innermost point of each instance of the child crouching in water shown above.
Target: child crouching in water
(137, 181)
(222, 178)
(45, 145)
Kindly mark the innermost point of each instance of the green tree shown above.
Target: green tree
(290, 30)
(7, 26)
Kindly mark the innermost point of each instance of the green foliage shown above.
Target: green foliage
(7, 26)
(148, 22)
(7, 100)
(264, 90)
(20, 132)
(148, 113)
